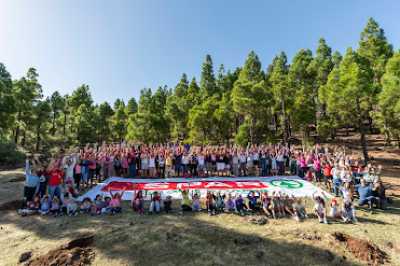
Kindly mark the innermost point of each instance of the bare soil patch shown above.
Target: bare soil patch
(75, 253)
(362, 249)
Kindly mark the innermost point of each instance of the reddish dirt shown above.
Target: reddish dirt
(362, 249)
(11, 205)
(75, 253)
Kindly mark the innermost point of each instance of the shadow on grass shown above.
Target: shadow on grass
(174, 239)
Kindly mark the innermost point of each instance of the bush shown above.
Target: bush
(10, 156)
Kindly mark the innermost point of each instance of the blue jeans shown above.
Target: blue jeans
(132, 170)
(85, 174)
(336, 187)
(54, 191)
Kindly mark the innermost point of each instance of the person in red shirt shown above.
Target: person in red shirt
(328, 175)
(155, 203)
(55, 180)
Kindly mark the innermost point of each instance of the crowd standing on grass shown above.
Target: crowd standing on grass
(53, 188)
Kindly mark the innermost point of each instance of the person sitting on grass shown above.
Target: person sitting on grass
(185, 203)
(196, 206)
(138, 202)
(252, 201)
(168, 204)
(266, 204)
(45, 205)
(348, 212)
(319, 209)
(210, 203)
(55, 206)
(240, 206)
(106, 209)
(230, 203)
(69, 205)
(288, 205)
(155, 204)
(86, 205)
(98, 204)
(299, 210)
(115, 203)
(219, 203)
(32, 207)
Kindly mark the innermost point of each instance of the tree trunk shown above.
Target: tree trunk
(284, 122)
(37, 138)
(17, 129)
(361, 129)
(53, 129)
(64, 124)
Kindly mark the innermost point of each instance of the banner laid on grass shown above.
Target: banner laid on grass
(289, 185)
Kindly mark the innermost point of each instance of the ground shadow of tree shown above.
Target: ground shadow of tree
(174, 239)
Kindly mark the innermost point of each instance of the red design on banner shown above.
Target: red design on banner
(219, 185)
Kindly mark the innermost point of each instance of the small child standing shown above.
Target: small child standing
(334, 211)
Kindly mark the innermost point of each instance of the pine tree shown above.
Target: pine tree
(7, 105)
(279, 81)
(389, 100)
(350, 87)
(207, 83)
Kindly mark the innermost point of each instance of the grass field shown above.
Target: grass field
(200, 239)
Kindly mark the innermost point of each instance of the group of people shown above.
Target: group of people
(53, 188)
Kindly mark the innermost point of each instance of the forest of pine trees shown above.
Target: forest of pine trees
(316, 93)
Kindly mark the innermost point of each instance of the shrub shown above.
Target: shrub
(10, 156)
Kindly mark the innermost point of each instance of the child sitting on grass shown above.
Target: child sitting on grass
(230, 203)
(155, 204)
(86, 205)
(106, 209)
(240, 206)
(167, 204)
(348, 212)
(32, 207)
(138, 202)
(299, 210)
(98, 205)
(319, 208)
(55, 207)
(196, 202)
(70, 205)
(115, 203)
(45, 205)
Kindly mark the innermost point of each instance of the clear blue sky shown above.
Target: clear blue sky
(119, 47)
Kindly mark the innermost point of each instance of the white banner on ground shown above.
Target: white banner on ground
(287, 185)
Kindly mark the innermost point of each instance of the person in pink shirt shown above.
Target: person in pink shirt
(115, 202)
(317, 169)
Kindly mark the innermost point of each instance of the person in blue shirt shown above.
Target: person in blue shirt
(32, 182)
(365, 193)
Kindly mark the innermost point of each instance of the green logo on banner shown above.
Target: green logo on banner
(287, 183)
